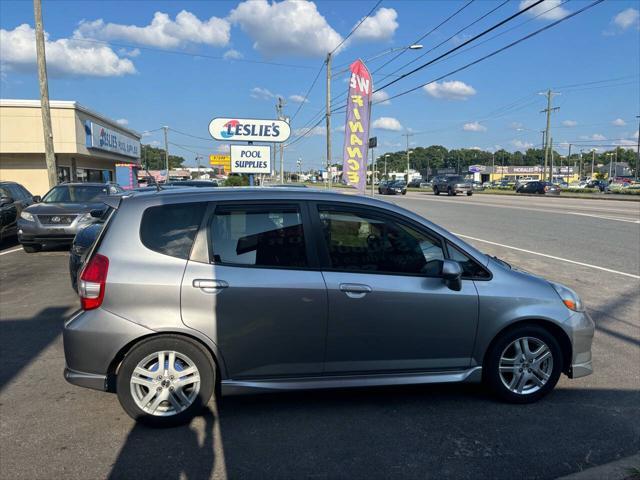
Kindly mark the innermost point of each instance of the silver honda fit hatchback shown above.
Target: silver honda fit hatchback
(188, 294)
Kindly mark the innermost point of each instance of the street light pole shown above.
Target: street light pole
(593, 160)
(385, 166)
(638, 151)
(328, 118)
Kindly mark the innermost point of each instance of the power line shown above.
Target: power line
(495, 52)
(189, 54)
(490, 29)
(428, 33)
(306, 95)
(190, 135)
(448, 39)
(356, 27)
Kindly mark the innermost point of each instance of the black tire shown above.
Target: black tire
(32, 248)
(450, 192)
(491, 374)
(404, 193)
(196, 352)
(469, 194)
(436, 191)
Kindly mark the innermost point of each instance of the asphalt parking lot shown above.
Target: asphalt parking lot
(50, 429)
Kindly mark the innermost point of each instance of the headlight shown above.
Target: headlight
(26, 216)
(568, 297)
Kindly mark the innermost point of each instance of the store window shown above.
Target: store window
(64, 174)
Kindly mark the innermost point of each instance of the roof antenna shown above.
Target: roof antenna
(146, 169)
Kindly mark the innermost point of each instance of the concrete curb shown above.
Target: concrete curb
(617, 470)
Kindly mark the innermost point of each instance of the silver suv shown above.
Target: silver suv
(187, 293)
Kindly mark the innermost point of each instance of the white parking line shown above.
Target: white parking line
(514, 207)
(551, 256)
(10, 251)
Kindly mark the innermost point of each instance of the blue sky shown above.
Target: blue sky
(138, 61)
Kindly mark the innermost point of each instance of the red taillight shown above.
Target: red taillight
(92, 282)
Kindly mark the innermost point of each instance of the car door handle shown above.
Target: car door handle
(355, 290)
(209, 285)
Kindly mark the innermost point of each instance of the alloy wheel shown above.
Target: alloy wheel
(526, 365)
(165, 383)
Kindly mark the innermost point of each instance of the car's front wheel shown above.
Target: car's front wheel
(165, 381)
(469, 194)
(436, 191)
(524, 364)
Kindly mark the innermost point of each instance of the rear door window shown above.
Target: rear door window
(171, 229)
(260, 236)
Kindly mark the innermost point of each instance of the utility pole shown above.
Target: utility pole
(279, 107)
(593, 160)
(407, 135)
(385, 166)
(638, 151)
(569, 162)
(549, 94)
(166, 150)
(328, 119)
(49, 154)
(551, 172)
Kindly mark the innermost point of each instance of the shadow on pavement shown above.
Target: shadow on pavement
(22, 340)
(168, 454)
(443, 431)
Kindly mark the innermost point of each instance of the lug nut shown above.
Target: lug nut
(158, 389)
(171, 389)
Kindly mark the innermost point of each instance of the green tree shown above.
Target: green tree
(237, 181)
(153, 158)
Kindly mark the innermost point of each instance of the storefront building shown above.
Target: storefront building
(512, 173)
(87, 145)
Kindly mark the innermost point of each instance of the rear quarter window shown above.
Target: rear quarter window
(171, 229)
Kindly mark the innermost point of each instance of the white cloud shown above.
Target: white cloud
(64, 56)
(569, 123)
(339, 128)
(314, 132)
(162, 31)
(595, 136)
(637, 134)
(290, 27)
(618, 122)
(298, 99)
(521, 145)
(262, 93)
(474, 127)
(125, 52)
(387, 123)
(452, 90)
(122, 121)
(627, 144)
(380, 98)
(232, 55)
(380, 26)
(627, 18)
(555, 14)
(516, 125)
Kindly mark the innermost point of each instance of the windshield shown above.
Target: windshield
(456, 179)
(75, 194)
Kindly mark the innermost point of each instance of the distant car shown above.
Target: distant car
(13, 199)
(394, 187)
(193, 183)
(64, 210)
(477, 186)
(427, 185)
(599, 184)
(452, 185)
(415, 183)
(538, 187)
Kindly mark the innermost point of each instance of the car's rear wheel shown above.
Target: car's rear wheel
(524, 364)
(450, 192)
(32, 248)
(469, 194)
(165, 381)
(436, 191)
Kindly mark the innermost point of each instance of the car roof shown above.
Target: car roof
(82, 184)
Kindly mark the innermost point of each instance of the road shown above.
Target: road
(50, 429)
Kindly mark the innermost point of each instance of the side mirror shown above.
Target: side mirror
(452, 274)
(5, 201)
(37, 198)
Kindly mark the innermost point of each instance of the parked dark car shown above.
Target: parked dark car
(13, 199)
(538, 187)
(393, 187)
(64, 210)
(452, 185)
(599, 184)
(415, 183)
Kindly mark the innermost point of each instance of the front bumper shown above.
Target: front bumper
(92, 341)
(581, 329)
(462, 189)
(35, 232)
